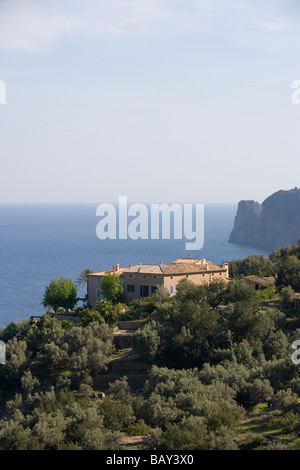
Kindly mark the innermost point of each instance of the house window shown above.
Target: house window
(171, 289)
(130, 287)
(171, 277)
(153, 289)
(98, 279)
(144, 291)
(98, 293)
(187, 275)
(154, 277)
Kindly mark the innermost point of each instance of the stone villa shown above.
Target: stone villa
(142, 280)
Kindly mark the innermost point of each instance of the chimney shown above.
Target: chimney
(117, 267)
(130, 265)
(113, 268)
(139, 270)
(161, 263)
(226, 265)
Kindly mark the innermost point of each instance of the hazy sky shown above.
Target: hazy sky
(159, 100)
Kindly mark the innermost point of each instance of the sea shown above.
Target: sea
(39, 242)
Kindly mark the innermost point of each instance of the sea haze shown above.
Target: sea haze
(41, 242)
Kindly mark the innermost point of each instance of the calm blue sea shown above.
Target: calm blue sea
(41, 242)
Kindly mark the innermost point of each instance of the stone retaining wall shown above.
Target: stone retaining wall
(128, 365)
(131, 325)
(70, 318)
(122, 341)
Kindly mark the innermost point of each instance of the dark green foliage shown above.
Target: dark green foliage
(140, 309)
(284, 399)
(48, 415)
(288, 273)
(287, 295)
(109, 311)
(117, 414)
(146, 342)
(260, 391)
(186, 290)
(279, 255)
(241, 292)
(287, 262)
(288, 422)
(284, 263)
(112, 288)
(90, 316)
(172, 396)
(61, 293)
(216, 351)
(253, 265)
(138, 428)
(187, 435)
(49, 349)
(119, 389)
(266, 292)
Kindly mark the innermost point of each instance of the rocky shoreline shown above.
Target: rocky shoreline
(273, 224)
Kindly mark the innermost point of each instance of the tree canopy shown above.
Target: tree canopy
(112, 288)
(61, 293)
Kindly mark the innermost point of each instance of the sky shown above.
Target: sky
(158, 100)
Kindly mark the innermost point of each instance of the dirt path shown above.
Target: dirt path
(124, 332)
(132, 440)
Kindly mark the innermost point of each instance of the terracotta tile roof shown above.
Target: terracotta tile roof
(179, 266)
(102, 273)
(262, 280)
(190, 266)
(145, 269)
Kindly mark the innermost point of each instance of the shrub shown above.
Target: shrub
(289, 422)
(146, 342)
(287, 296)
(266, 291)
(139, 428)
(284, 399)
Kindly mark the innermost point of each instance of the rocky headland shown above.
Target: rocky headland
(273, 224)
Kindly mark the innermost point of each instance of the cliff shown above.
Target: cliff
(273, 224)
